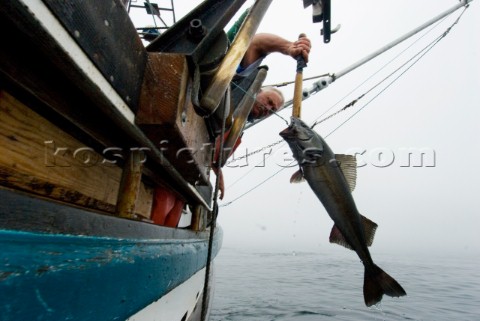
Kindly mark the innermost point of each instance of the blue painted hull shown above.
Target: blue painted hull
(52, 276)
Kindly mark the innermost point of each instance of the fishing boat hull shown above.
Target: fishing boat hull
(62, 263)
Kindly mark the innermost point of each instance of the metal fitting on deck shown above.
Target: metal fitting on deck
(196, 30)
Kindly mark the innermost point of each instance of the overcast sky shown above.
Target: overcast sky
(433, 107)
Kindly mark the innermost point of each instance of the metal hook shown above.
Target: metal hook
(333, 30)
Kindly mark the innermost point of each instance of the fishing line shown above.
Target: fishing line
(352, 103)
(253, 153)
(254, 188)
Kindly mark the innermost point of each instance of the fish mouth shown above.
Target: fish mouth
(287, 133)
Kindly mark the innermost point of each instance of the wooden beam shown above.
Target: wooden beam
(130, 184)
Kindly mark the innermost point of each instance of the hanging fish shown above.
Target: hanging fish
(332, 178)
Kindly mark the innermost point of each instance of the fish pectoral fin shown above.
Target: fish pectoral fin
(348, 166)
(369, 227)
(337, 237)
(297, 177)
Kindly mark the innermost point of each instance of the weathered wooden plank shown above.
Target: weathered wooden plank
(168, 118)
(38, 157)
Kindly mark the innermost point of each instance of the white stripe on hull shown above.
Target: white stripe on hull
(176, 304)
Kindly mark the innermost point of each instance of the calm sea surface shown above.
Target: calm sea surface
(307, 286)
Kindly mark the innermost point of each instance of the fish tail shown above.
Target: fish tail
(377, 283)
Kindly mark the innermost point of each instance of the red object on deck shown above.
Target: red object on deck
(167, 208)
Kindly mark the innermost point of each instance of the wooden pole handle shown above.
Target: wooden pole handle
(298, 90)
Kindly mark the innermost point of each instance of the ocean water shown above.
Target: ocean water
(310, 286)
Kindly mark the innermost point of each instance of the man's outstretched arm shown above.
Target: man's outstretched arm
(264, 44)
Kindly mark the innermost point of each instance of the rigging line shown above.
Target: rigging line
(353, 102)
(388, 86)
(365, 81)
(254, 152)
(350, 104)
(374, 74)
(426, 50)
(253, 188)
(254, 167)
(383, 67)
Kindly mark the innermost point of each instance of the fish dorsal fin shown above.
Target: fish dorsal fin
(348, 165)
(297, 177)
